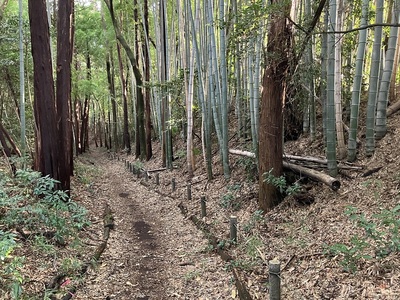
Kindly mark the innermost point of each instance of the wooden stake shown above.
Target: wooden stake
(189, 191)
(274, 279)
(203, 206)
(233, 228)
(173, 184)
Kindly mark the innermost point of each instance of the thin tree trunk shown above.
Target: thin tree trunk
(8, 138)
(21, 81)
(9, 81)
(188, 62)
(393, 87)
(132, 60)
(165, 114)
(311, 85)
(111, 87)
(224, 91)
(6, 150)
(206, 141)
(85, 110)
(127, 140)
(140, 139)
(324, 74)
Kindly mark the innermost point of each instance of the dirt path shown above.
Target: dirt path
(153, 252)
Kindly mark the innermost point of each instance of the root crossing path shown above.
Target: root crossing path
(153, 252)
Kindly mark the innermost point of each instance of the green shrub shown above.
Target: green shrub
(380, 238)
(281, 184)
(10, 266)
(31, 205)
(229, 200)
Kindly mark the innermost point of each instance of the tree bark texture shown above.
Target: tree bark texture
(111, 87)
(63, 91)
(272, 104)
(46, 142)
(149, 150)
(127, 138)
(140, 124)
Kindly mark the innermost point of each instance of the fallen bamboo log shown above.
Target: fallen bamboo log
(393, 108)
(333, 183)
(321, 161)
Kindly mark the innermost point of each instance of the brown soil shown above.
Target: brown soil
(155, 252)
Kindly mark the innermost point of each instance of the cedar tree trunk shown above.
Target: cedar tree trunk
(46, 142)
(272, 104)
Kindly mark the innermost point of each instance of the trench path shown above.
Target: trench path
(153, 252)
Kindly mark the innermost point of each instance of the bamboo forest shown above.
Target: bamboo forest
(199, 149)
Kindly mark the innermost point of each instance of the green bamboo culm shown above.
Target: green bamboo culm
(373, 80)
(330, 101)
(383, 95)
(356, 92)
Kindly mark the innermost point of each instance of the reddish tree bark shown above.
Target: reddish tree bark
(272, 104)
(141, 147)
(63, 92)
(8, 138)
(46, 142)
(149, 151)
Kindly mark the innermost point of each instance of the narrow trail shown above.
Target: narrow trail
(153, 252)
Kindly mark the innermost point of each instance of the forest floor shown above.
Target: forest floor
(156, 252)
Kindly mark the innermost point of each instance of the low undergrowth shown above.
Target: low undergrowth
(36, 220)
(379, 239)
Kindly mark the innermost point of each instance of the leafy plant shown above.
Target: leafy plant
(381, 237)
(229, 200)
(240, 264)
(375, 185)
(138, 165)
(180, 154)
(253, 246)
(249, 166)
(42, 245)
(257, 217)
(10, 275)
(281, 184)
(71, 265)
(42, 215)
(191, 275)
(351, 254)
